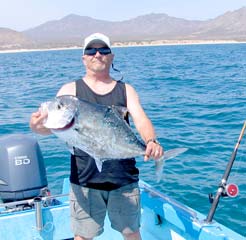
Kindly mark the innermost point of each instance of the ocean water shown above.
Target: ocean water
(195, 96)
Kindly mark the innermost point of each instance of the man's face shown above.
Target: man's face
(98, 62)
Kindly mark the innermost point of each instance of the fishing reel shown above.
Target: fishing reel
(232, 190)
(229, 190)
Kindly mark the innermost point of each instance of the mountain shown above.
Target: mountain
(231, 25)
(10, 39)
(71, 30)
(68, 30)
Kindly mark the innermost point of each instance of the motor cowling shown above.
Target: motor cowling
(22, 168)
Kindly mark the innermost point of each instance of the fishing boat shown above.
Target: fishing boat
(28, 210)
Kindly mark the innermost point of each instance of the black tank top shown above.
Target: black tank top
(115, 173)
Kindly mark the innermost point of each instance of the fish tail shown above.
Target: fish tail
(159, 165)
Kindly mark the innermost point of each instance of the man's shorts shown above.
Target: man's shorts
(88, 209)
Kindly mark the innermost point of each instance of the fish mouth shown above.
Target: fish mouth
(69, 125)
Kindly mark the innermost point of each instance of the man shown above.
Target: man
(115, 189)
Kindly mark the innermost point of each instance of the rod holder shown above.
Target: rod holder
(38, 213)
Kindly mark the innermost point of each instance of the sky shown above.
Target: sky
(21, 15)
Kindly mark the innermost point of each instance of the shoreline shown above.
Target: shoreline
(132, 44)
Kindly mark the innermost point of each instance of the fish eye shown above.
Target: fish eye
(59, 106)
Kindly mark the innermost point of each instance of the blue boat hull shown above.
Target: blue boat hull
(162, 218)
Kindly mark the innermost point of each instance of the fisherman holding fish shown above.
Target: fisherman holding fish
(100, 182)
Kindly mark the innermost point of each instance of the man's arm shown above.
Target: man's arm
(143, 124)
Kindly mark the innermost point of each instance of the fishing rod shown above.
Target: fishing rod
(224, 189)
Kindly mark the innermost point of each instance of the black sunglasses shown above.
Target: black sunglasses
(93, 51)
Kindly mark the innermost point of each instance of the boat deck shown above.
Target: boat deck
(162, 219)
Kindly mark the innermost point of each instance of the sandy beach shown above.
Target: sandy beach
(131, 44)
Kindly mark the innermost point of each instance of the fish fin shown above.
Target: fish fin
(70, 148)
(99, 164)
(121, 111)
(173, 153)
(159, 164)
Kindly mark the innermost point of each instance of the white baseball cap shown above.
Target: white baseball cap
(96, 38)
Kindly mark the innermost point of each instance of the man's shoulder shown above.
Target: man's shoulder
(129, 87)
(69, 84)
(67, 89)
(131, 93)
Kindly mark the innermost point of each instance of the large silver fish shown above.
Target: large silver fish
(98, 130)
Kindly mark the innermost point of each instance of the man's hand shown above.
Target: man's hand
(153, 150)
(36, 122)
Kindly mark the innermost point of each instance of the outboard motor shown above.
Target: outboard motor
(22, 169)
